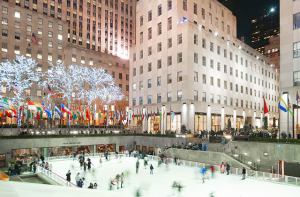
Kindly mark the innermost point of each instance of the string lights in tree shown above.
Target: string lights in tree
(17, 76)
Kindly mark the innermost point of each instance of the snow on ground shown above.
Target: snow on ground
(159, 184)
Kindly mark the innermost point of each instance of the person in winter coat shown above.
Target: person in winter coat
(77, 179)
(68, 175)
(244, 173)
(91, 186)
(137, 165)
(151, 169)
(80, 183)
(227, 168)
(222, 168)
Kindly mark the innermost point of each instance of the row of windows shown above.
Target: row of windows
(217, 99)
(184, 6)
(238, 60)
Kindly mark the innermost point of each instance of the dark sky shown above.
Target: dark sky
(245, 10)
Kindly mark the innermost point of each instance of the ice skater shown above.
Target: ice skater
(137, 165)
(68, 176)
(227, 168)
(100, 160)
(151, 169)
(222, 168)
(145, 162)
(77, 179)
(122, 179)
(212, 171)
(89, 163)
(203, 171)
(243, 173)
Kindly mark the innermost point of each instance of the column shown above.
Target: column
(254, 120)
(261, 120)
(144, 123)
(222, 118)
(234, 119)
(163, 120)
(191, 118)
(244, 118)
(184, 114)
(208, 118)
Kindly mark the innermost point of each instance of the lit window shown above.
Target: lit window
(39, 93)
(17, 14)
(39, 56)
(59, 37)
(4, 47)
(50, 57)
(91, 63)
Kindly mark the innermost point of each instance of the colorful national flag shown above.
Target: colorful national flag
(297, 97)
(4, 104)
(266, 110)
(57, 110)
(31, 105)
(65, 109)
(285, 107)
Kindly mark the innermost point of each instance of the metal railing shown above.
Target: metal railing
(252, 174)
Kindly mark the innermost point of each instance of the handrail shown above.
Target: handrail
(266, 176)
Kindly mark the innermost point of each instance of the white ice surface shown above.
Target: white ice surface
(157, 185)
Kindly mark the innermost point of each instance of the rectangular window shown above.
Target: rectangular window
(141, 20)
(195, 76)
(203, 43)
(195, 8)
(184, 5)
(297, 78)
(169, 96)
(211, 47)
(179, 39)
(169, 60)
(179, 76)
(149, 33)
(169, 78)
(196, 58)
(159, 47)
(169, 42)
(296, 21)
(159, 29)
(149, 84)
(204, 79)
(158, 98)
(195, 39)
(169, 4)
(296, 49)
(195, 95)
(169, 27)
(149, 67)
(158, 81)
(149, 16)
(211, 81)
(203, 61)
(179, 57)
(159, 64)
(204, 96)
(179, 95)
(159, 10)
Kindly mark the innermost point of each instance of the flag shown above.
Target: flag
(87, 114)
(285, 107)
(31, 105)
(297, 97)
(65, 109)
(266, 110)
(48, 112)
(282, 108)
(57, 110)
(4, 104)
(11, 113)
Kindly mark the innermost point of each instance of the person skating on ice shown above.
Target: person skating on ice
(68, 176)
(95, 185)
(145, 162)
(243, 173)
(122, 179)
(89, 163)
(151, 169)
(91, 186)
(137, 165)
(77, 178)
(227, 168)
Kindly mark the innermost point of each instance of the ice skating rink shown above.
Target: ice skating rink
(159, 184)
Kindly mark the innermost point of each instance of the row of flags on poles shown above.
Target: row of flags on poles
(32, 110)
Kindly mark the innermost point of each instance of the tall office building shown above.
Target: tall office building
(189, 71)
(290, 65)
(263, 28)
(87, 32)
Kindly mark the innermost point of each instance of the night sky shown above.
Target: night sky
(245, 10)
